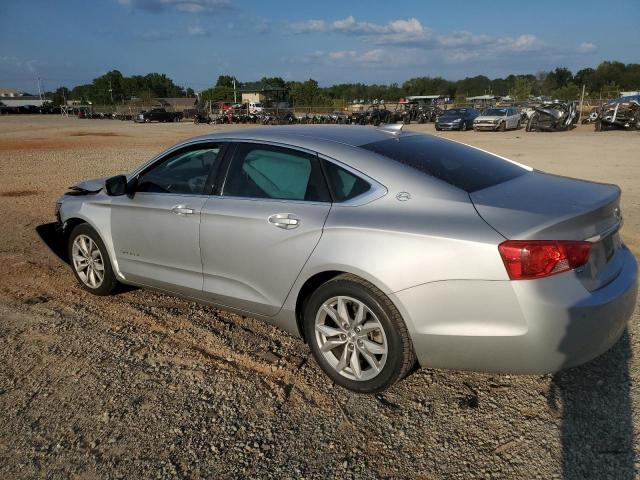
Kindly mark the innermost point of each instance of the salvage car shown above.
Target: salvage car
(623, 113)
(158, 115)
(457, 119)
(553, 116)
(498, 119)
(382, 249)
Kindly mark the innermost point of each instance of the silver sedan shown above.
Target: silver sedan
(382, 249)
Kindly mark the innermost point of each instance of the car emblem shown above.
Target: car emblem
(403, 196)
(617, 214)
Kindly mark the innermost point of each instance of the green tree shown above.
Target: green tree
(568, 92)
(522, 88)
(560, 77)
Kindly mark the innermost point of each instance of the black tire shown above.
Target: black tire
(401, 357)
(463, 127)
(503, 127)
(109, 281)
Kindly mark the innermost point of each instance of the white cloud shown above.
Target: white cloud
(395, 31)
(309, 26)
(587, 47)
(197, 30)
(185, 6)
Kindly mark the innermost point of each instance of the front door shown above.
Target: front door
(156, 232)
(257, 235)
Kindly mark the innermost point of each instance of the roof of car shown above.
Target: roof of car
(351, 135)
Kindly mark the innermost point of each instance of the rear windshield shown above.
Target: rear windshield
(458, 165)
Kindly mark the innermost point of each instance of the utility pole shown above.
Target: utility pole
(39, 89)
(581, 102)
(235, 99)
(110, 91)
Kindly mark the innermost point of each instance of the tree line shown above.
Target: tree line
(604, 81)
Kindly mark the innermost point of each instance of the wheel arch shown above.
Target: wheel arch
(314, 281)
(76, 219)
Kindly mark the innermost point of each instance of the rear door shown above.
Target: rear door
(259, 230)
(156, 231)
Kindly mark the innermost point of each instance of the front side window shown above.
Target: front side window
(265, 171)
(344, 184)
(185, 172)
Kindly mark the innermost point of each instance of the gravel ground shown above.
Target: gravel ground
(144, 385)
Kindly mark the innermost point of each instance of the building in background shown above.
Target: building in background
(13, 98)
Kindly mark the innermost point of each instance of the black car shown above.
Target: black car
(158, 115)
(457, 119)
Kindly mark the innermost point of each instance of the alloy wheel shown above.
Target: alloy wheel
(351, 338)
(87, 261)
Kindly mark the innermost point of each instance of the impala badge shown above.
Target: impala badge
(403, 196)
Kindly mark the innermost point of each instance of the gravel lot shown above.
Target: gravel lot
(143, 385)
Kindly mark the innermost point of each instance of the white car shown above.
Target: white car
(256, 107)
(498, 118)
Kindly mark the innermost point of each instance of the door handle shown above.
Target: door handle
(182, 210)
(284, 220)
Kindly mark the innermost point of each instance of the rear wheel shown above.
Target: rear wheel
(357, 335)
(90, 261)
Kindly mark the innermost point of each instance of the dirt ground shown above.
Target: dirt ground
(144, 385)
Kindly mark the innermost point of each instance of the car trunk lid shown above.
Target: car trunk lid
(540, 206)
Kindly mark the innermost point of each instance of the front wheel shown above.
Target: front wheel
(90, 261)
(503, 127)
(357, 335)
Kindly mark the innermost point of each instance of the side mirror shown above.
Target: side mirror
(116, 186)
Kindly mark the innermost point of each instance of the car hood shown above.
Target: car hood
(89, 186)
(483, 118)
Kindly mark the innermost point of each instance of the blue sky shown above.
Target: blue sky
(194, 41)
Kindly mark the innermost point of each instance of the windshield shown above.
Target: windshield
(456, 111)
(495, 112)
(459, 165)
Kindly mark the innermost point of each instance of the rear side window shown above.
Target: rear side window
(344, 184)
(264, 171)
(463, 167)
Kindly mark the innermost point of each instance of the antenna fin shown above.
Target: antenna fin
(392, 128)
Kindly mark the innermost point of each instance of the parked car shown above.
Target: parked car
(457, 119)
(256, 107)
(201, 117)
(339, 117)
(158, 115)
(498, 118)
(379, 248)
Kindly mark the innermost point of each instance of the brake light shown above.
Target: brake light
(526, 259)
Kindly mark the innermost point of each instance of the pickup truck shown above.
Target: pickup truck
(158, 115)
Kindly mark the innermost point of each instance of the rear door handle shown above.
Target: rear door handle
(182, 210)
(284, 220)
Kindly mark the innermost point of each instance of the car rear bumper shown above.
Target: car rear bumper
(528, 327)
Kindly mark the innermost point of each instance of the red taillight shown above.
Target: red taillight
(526, 259)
